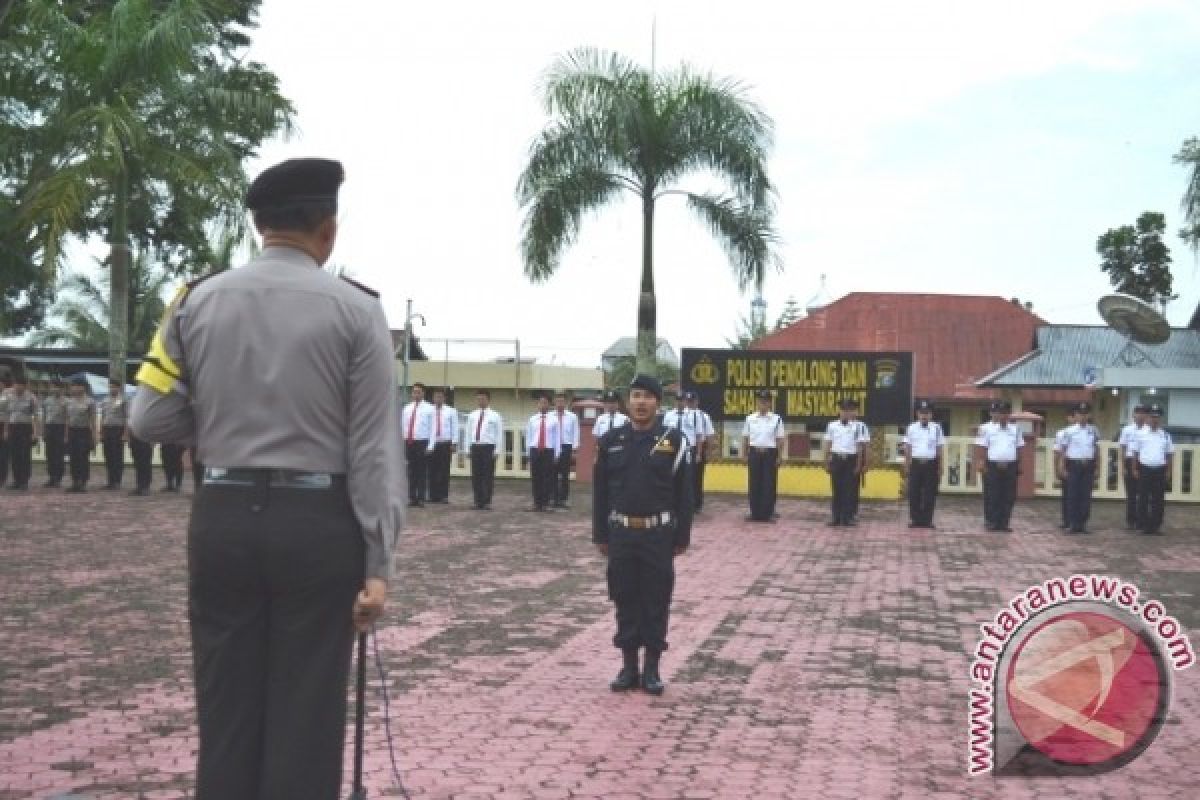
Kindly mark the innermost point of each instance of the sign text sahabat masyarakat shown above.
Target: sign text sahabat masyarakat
(806, 387)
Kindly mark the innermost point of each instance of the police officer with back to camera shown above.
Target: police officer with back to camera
(1153, 452)
(54, 433)
(997, 448)
(1075, 463)
(924, 444)
(1128, 471)
(291, 534)
(641, 520)
(22, 429)
(762, 437)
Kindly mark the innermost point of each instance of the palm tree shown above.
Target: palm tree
(1189, 156)
(84, 309)
(145, 137)
(616, 127)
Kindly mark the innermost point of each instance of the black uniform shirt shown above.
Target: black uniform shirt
(639, 474)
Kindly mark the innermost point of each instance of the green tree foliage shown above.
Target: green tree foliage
(82, 312)
(749, 330)
(616, 129)
(624, 368)
(133, 121)
(791, 314)
(1136, 259)
(1189, 156)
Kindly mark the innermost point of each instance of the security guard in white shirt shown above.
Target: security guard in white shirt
(485, 442)
(1153, 451)
(611, 418)
(416, 426)
(443, 442)
(997, 449)
(1075, 464)
(542, 444)
(1059, 443)
(762, 439)
(1128, 473)
(705, 433)
(924, 443)
(845, 460)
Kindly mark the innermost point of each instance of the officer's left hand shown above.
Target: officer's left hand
(680, 549)
(368, 606)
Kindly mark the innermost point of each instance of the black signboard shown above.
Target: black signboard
(806, 386)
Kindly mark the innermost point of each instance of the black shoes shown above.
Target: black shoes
(651, 682)
(628, 677)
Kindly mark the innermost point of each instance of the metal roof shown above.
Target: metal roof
(626, 347)
(1063, 352)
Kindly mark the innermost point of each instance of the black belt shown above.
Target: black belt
(1079, 460)
(844, 455)
(1001, 464)
(277, 478)
(925, 460)
(659, 520)
(762, 449)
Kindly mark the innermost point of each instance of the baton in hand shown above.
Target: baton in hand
(360, 713)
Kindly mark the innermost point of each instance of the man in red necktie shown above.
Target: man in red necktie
(542, 442)
(568, 431)
(416, 420)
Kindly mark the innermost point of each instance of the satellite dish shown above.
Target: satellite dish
(1138, 321)
(1134, 318)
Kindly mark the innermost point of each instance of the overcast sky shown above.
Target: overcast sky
(920, 146)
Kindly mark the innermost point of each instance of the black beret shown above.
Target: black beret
(689, 395)
(1154, 410)
(848, 403)
(649, 383)
(763, 394)
(924, 405)
(298, 181)
(611, 397)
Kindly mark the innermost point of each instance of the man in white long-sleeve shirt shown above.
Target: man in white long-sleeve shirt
(568, 431)
(416, 426)
(443, 442)
(611, 418)
(542, 443)
(483, 437)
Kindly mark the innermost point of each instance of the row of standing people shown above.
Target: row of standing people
(71, 424)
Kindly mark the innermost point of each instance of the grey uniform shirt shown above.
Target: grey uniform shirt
(80, 411)
(280, 365)
(54, 410)
(114, 412)
(21, 408)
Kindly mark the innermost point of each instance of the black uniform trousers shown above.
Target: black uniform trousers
(1152, 490)
(171, 456)
(999, 492)
(143, 462)
(641, 578)
(272, 577)
(1081, 477)
(1064, 502)
(55, 436)
(1131, 493)
(79, 448)
(843, 477)
(562, 476)
(415, 453)
(698, 476)
(4, 456)
(483, 473)
(923, 476)
(197, 469)
(114, 453)
(439, 471)
(541, 476)
(20, 452)
(763, 466)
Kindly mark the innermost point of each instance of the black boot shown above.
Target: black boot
(628, 677)
(651, 682)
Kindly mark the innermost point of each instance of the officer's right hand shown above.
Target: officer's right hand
(368, 606)
(603, 548)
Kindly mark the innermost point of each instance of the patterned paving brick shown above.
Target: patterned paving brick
(805, 661)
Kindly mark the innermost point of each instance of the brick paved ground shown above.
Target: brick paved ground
(805, 661)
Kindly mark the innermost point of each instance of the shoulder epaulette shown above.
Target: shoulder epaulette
(359, 286)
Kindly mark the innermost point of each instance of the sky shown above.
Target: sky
(919, 147)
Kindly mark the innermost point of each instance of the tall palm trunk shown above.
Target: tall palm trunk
(118, 263)
(647, 321)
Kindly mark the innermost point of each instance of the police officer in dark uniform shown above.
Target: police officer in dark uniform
(5, 391)
(171, 455)
(642, 519)
(24, 419)
(290, 538)
(54, 433)
(143, 465)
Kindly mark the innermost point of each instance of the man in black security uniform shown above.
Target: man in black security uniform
(642, 519)
(171, 455)
(143, 465)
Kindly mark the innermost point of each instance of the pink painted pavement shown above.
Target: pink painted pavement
(805, 661)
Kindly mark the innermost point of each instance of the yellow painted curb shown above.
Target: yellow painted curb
(802, 480)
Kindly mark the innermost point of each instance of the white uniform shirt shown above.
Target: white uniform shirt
(534, 427)
(606, 422)
(1001, 443)
(419, 428)
(568, 422)
(845, 437)
(686, 420)
(484, 426)
(1128, 434)
(1077, 441)
(763, 430)
(707, 431)
(1152, 447)
(445, 424)
(924, 440)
